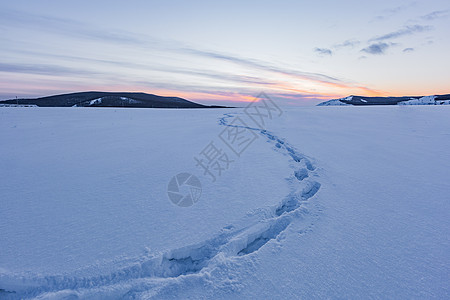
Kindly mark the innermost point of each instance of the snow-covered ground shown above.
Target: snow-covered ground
(329, 202)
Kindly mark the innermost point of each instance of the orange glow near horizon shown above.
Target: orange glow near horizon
(286, 90)
(288, 86)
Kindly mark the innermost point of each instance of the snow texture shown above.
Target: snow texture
(337, 202)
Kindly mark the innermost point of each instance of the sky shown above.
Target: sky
(226, 52)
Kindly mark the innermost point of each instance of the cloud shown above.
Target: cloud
(259, 65)
(407, 50)
(408, 30)
(377, 49)
(67, 27)
(43, 69)
(400, 8)
(435, 15)
(387, 13)
(323, 51)
(347, 44)
(75, 29)
(336, 47)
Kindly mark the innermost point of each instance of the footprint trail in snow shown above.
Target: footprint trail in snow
(149, 275)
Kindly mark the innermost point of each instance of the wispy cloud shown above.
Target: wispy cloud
(84, 32)
(347, 44)
(67, 27)
(390, 12)
(323, 51)
(48, 69)
(436, 15)
(407, 30)
(74, 28)
(399, 8)
(377, 49)
(43, 69)
(259, 65)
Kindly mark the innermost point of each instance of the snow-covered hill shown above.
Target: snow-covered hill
(106, 99)
(363, 101)
(335, 102)
(326, 203)
(427, 100)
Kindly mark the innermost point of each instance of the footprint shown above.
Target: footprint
(301, 174)
(264, 237)
(310, 190)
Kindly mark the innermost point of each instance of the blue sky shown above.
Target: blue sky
(299, 52)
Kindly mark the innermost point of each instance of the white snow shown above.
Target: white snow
(427, 100)
(336, 102)
(95, 101)
(335, 202)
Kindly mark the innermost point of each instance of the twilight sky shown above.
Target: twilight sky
(217, 52)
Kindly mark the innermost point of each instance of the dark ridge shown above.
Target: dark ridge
(443, 97)
(109, 99)
(362, 100)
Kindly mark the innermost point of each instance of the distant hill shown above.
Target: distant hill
(408, 100)
(107, 99)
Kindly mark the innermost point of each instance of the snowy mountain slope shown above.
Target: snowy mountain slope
(359, 100)
(316, 208)
(428, 100)
(335, 102)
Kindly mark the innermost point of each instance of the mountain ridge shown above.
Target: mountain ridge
(106, 99)
(406, 100)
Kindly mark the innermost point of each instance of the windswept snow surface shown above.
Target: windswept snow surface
(328, 202)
